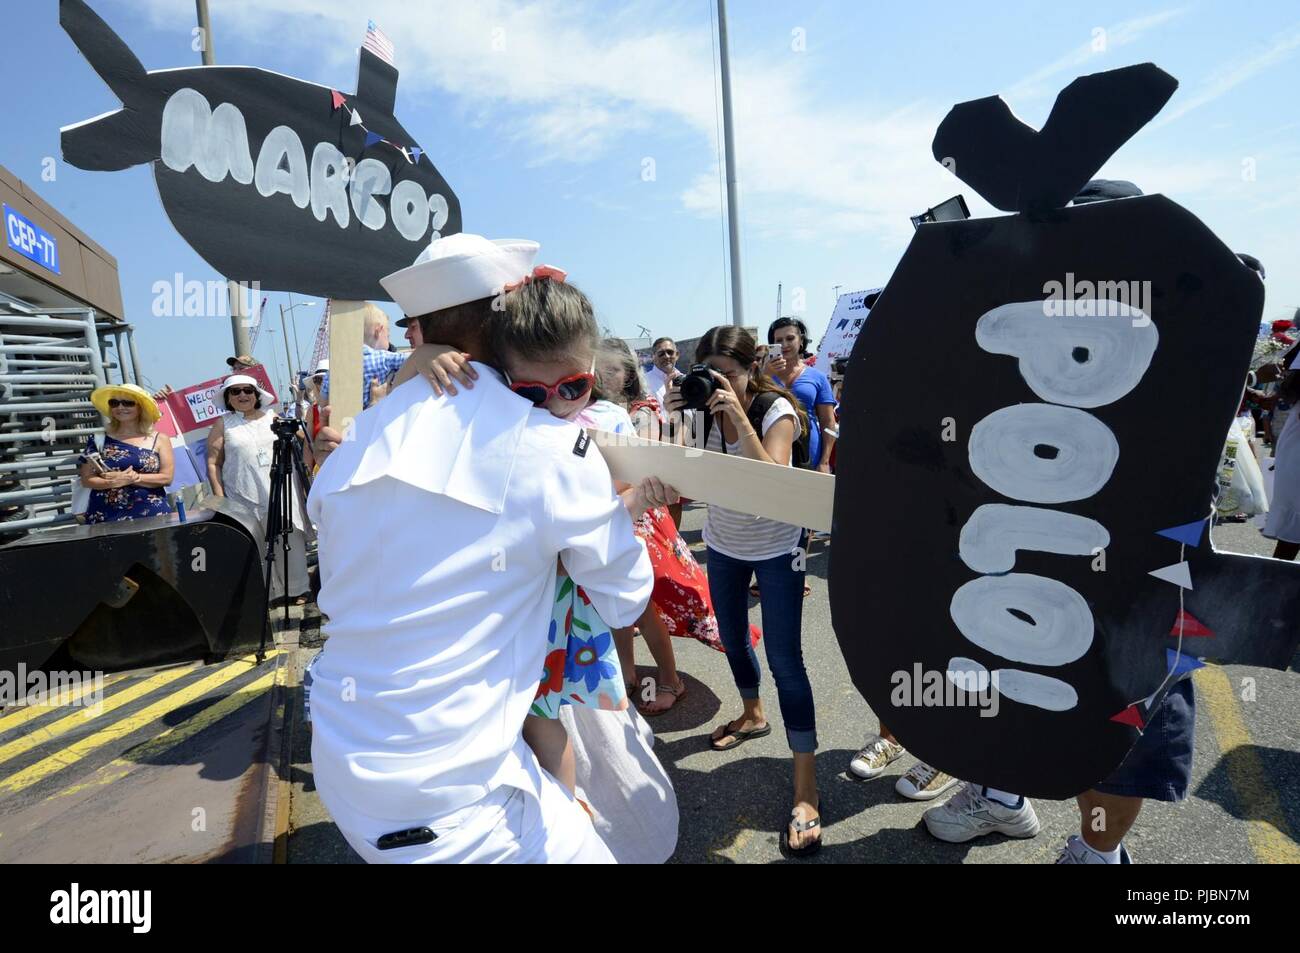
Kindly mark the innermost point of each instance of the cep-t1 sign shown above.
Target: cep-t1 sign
(31, 241)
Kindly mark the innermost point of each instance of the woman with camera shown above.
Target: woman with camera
(750, 415)
(128, 476)
(239, 468)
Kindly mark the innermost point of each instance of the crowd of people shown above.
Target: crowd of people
(484, 578)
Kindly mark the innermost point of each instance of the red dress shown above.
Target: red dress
(681, 590)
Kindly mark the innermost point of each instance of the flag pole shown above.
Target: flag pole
(729, 153)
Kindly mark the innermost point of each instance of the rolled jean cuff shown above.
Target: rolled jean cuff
(748, 694)
(803, 741)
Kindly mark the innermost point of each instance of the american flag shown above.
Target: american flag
(378, 43)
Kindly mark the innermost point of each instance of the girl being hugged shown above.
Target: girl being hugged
(545, 338)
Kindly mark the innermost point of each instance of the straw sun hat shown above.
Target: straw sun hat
(148, 406)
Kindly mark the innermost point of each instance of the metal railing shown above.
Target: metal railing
(50, 361)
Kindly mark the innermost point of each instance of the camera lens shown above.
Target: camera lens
(697, 387)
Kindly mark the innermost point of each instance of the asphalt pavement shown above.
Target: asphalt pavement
(1243, 805)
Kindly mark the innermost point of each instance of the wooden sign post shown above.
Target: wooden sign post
(347, 332)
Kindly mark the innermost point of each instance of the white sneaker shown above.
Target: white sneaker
(924, 783)
(876, 755)
(1076, 851)
(969, 814)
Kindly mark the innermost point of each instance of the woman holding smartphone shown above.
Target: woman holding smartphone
(741, 546)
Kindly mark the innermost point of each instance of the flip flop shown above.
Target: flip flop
(740, 735)
(802, 827)
(677, 694)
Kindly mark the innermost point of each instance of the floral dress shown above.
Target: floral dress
(125, 502)
(581, 666)
(681, 592)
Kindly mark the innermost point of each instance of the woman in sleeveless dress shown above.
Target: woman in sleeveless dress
(239, 468)
(128, 475)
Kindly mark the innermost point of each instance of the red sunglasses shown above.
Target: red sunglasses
(566, 388)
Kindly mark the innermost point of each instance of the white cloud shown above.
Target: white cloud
(570, 78)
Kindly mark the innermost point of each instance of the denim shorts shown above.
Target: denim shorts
(1159, 766)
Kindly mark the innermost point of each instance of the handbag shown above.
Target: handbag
(81, 492)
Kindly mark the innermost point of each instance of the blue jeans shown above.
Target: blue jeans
(781, 589)
(1159, 766)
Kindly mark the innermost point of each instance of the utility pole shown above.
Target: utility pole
(284, 329)
(729, 147)
(234, 292)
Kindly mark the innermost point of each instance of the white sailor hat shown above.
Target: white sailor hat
(458, 269)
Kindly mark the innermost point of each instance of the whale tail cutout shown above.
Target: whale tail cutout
(376, 83)
(103, 49)
(120, 139)
(1018, 169)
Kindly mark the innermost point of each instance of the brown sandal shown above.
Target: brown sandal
(677, 695)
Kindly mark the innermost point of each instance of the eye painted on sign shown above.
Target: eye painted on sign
(1032, 515)
(269, 178)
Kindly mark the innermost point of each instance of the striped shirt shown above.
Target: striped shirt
(740, 535)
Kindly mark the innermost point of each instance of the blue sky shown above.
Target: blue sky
(542, 117)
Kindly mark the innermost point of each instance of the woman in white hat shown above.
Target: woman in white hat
(239, 468)
(128, 476)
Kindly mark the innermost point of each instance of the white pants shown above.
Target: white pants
(509, 826)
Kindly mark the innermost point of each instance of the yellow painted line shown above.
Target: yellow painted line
(1267, 830)
(51, 731)
(117, 769)
(22, 714)
(70, 755)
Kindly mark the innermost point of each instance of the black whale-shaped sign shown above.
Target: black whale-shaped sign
(263, 174)
(997, 526)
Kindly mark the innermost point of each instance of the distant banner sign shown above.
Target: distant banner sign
(30, 240)
(850, 315)
(198, 406)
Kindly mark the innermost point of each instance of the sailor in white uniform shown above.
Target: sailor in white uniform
(440, 519)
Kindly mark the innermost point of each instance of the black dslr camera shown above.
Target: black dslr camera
(287, 427)
(697, 386)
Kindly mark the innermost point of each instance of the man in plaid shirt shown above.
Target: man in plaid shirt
(378, 364)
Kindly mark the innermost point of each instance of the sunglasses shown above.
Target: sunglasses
(242, 391)
(664, 353)
(574, 387)
(118, 402)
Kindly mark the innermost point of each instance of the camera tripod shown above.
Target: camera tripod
(286, 492)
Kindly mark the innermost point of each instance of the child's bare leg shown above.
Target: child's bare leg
(660, 644)
(627, 659)
(550, 742)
